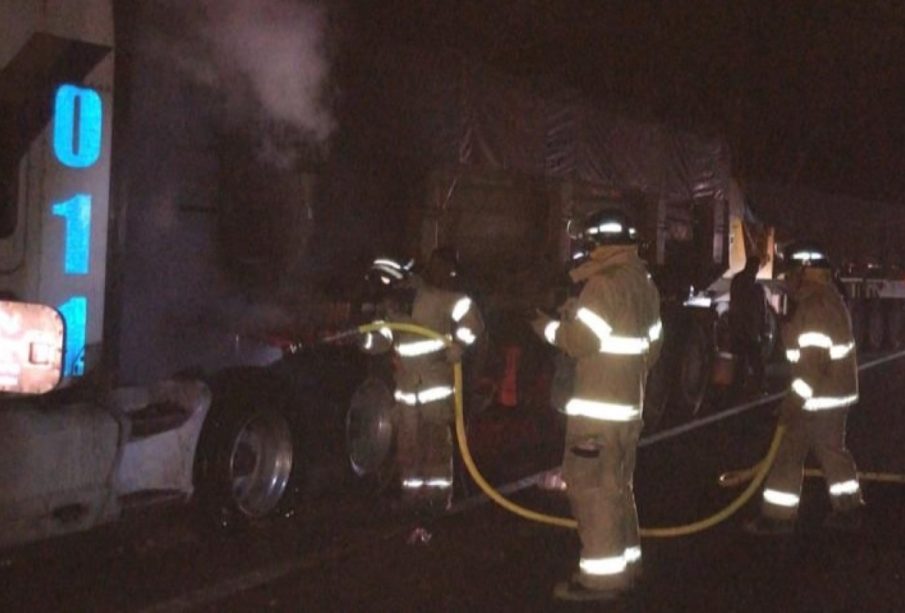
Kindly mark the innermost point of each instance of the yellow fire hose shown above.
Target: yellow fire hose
(733, 478)
(758, 472)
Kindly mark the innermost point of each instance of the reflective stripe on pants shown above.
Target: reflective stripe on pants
(824, 434)
(424, 449)
(598, 469)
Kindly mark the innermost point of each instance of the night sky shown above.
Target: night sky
(806, 92)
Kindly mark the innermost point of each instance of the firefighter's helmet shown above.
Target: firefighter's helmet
(386, 272)
(805, 254)
(608, 226)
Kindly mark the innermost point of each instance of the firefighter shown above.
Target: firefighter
(747, 313)
(613, 330)
(821, 351)
(424, 381)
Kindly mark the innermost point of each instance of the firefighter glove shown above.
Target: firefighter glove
(540, 322)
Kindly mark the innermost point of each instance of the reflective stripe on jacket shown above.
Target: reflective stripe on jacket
(614, 331)
(821, 348)
(423, 367)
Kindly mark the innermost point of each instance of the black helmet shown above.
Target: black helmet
(580, 255)
(388, 272)
(805, 254)
(605, 227)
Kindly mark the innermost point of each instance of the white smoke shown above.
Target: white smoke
(277, 46)
(266, 60)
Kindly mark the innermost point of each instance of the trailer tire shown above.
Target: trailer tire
(857, 311)
(249, 466)
(894, 321)
(876, 332)
(693, 368)
(770, 338)
(656, 393)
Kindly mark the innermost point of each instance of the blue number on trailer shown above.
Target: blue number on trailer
(77, 133)
(77, 126)
(77, 215)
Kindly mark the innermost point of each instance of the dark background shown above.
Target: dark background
(809, 92)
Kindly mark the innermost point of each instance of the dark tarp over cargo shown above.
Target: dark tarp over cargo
(451, 111)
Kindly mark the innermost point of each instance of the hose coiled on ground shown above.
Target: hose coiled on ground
(756, 473)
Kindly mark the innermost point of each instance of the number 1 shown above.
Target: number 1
(77, 213)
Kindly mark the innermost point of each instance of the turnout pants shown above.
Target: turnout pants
(823, 433)
(598, 467)
(424, 452)
(424, 411)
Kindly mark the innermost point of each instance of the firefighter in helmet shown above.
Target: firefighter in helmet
(821, 351)
(424, 381)
(613, 330)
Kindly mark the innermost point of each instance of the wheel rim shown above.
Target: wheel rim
(260, 463)
(369, 428)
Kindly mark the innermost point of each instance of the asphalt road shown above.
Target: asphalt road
(350, 552)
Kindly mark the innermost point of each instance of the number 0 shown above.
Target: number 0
(77, 126)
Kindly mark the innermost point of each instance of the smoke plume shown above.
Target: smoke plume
(264, 61)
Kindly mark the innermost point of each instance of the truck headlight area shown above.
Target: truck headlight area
(31, 347)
